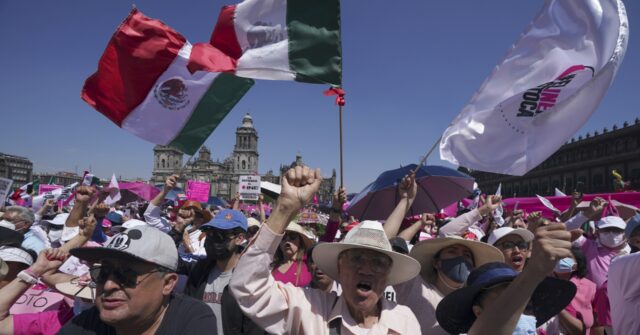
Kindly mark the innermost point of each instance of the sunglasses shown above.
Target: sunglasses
(126, 277)
(508, 245)
(219, 235)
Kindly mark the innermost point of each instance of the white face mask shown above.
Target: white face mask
(7, 224)
(611, 239)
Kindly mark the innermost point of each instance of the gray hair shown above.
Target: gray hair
(23, 212)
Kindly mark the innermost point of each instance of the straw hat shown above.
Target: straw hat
(307, 237)
(74, 289)
(367, 235)
(425, 251)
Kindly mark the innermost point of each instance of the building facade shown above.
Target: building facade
(585, 163)
(327, 187)
(223, 176)
(59, 178)
(19, 169)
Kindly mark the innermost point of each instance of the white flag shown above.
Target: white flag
(497, 213)
(543, 91)
(559, 193)
(114, 192)
(57, 194)
(548, 204)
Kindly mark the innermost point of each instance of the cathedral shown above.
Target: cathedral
(223, 175)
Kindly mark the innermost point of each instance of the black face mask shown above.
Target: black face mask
(218, 250)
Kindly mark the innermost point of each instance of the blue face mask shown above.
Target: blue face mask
(565, 265)
(456, 269)
(526, 325)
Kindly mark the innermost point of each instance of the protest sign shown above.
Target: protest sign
(44, 188)
(249, 187)
(5, 188)
(34, 301)
(198, 191)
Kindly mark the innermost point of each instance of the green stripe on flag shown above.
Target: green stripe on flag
(315, 52)
(223, 94)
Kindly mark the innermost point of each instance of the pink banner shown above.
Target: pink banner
(533, 204)
(44, 188)
(198, 191)
(34, 301)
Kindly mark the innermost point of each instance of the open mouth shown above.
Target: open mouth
(517, 260)
(364, 286)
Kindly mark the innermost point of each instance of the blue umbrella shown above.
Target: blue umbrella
(438, 187)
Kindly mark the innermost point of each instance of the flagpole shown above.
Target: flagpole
(424, 159)
(341, 169)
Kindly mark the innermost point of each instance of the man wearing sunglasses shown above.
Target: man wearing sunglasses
(135, 277)
(225, 234)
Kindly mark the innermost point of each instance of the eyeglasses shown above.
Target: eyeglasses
(219, 235)
(379, 264)
(126, 277)
(509, 245)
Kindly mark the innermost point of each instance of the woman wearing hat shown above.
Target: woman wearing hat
(363, 263)
(446, 263)
(289, 264)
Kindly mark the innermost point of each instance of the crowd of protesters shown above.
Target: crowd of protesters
(166, 268)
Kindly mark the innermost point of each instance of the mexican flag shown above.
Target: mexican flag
(276, 39)
(143, 85)
(89, 179)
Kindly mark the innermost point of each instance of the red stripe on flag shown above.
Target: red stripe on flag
(139, 52)
(205, 57)
(224, 34)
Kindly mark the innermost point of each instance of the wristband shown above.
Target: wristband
(28, 277)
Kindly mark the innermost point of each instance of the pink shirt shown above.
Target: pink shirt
(285, 309)
(582, 304)
(290, 276)
(624, 294)
(45, 323)
(598, 259)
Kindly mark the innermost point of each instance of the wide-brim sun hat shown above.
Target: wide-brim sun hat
(197, 207)
(455, 314)
(74, 289)
(306, 235)
(499, 233)
(425, 251)
(10, 237)
(367, 235)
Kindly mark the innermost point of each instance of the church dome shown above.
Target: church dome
(247, 121)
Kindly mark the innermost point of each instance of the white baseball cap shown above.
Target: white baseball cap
(58, 220)
(139, 243)
(499, 233)
(611, 221)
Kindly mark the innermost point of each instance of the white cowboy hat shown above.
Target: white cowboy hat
(367, 235)
(425, 251)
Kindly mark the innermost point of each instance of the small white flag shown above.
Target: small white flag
(114, 192)
(559, 193)
(543, 91)
(497, 213)
(548, 204)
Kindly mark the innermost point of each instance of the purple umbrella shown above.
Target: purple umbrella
(438, 187)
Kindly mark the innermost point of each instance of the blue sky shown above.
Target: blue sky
(409, 67)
